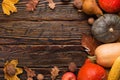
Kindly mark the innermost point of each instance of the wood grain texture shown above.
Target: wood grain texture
(43, 38)
(45, 32)
(42, 57)
(46, 55)
(43, 12)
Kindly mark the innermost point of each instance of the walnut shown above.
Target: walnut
(10, 70)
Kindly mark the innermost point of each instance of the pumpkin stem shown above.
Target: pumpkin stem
(92, 58)
(111, 29)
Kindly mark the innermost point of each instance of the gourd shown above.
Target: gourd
(91, 7)
(106, 54)
(114, 73)
(106, 28)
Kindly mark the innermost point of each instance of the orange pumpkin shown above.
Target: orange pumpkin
(91, 71)
(111, 6)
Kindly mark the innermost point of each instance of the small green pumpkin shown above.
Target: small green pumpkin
(106, 28)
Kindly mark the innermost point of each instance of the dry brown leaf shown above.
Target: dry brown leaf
(89, 43)
(31, 5)
(72, 67)
(54, 72)
(51, 4)
(30, 73)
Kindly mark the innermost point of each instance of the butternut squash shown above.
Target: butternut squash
(107, 53)
(114, 73)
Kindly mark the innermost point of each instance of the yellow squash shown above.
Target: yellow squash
(107, 53)
(114, 73)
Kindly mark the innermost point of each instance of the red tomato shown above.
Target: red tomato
(68, 76)
(91, 71)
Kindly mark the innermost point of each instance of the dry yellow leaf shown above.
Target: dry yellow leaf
(9, 7)
(14, 1)
(5, 10)
(11, 71)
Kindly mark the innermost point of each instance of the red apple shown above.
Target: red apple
(69, 76)
(110, 6)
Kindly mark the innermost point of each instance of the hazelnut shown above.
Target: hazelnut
(72, 67)
(91, 20)
(40, 77)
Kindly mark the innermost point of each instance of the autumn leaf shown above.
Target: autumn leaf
(11, 71)
(54, 72)
(51, 4)
(30, 73)
(8, 6)
(31, 5)
(89, 43)
(14, 1)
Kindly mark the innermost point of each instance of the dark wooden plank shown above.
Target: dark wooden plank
(43, 12)
(42, 56)
(45, 32)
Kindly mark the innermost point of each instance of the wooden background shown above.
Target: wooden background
(43, 38)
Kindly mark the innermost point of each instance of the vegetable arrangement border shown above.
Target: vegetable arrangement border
(105, 29)
(90, 7)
